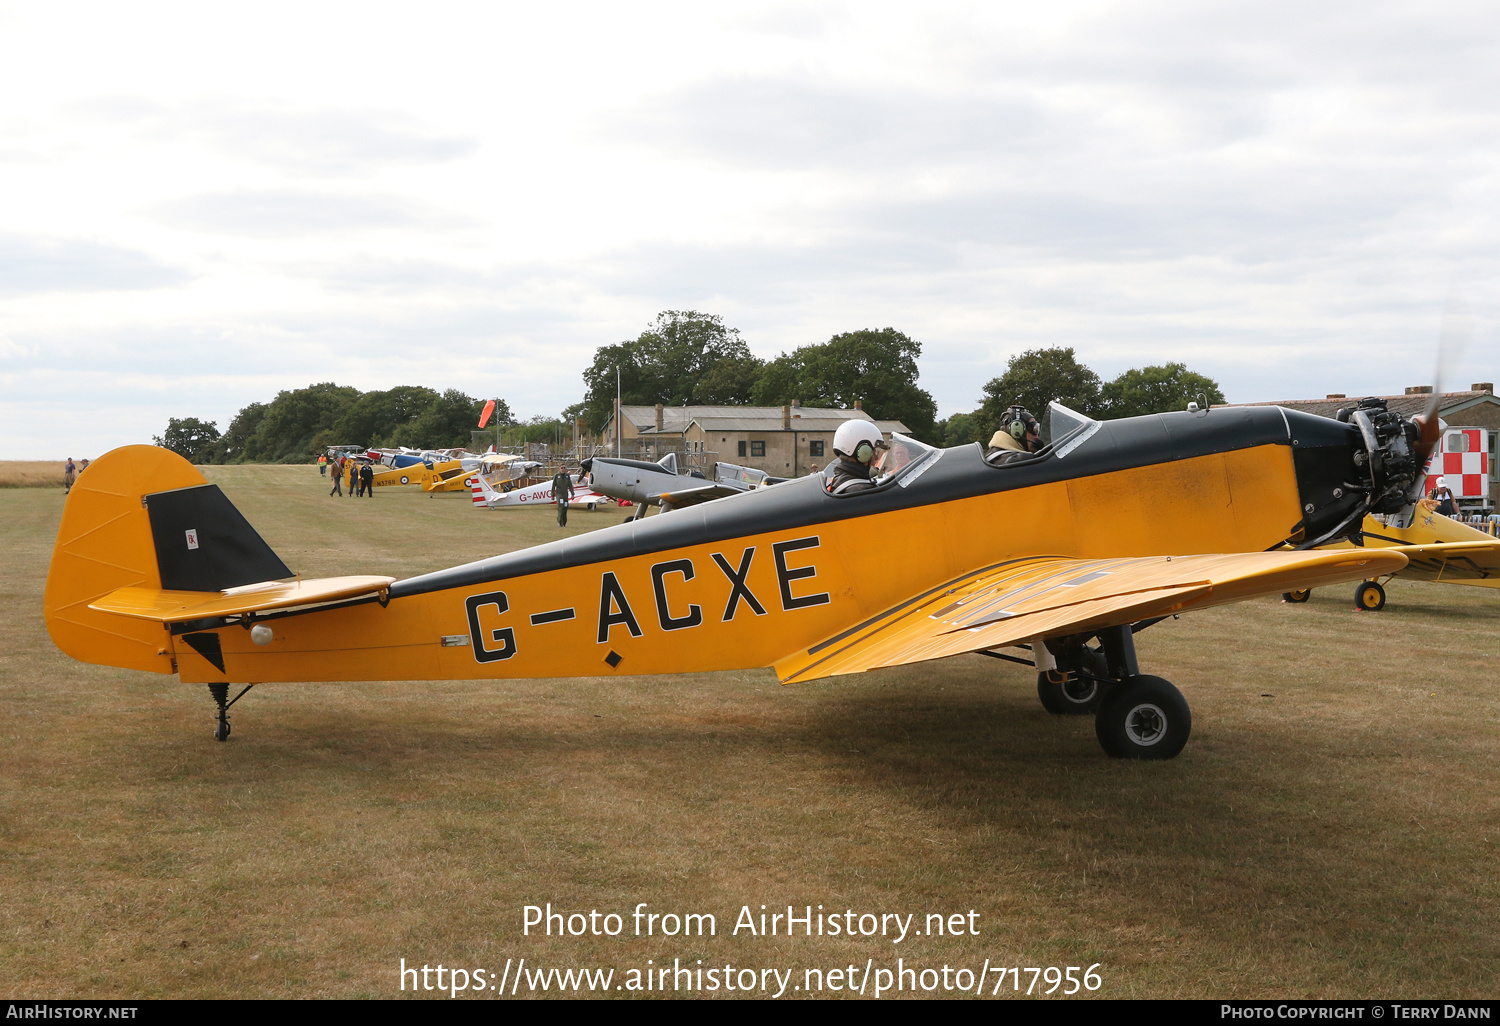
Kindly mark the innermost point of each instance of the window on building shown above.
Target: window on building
(742, 448)
(757, 448)
(815, 447)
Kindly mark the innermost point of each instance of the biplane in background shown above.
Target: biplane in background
(1109, 526)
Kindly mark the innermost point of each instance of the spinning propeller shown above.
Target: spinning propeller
(1458, 326)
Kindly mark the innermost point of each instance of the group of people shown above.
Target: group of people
(71, 471)
(361, 479)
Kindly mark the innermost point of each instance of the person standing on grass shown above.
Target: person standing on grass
(70, 474)
(323, 465)
(367, 480)
(562, 494)
(338, 478)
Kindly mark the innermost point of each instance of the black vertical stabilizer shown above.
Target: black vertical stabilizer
(204, 544)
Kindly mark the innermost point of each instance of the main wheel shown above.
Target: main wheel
(1296, 596)
(1369, 596)
(1066, 695)
(1143, 718)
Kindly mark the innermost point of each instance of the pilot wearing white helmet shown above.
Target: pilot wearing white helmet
(855, 443)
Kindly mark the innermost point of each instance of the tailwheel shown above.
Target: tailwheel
(1369, 596)
(1296, 596)
(220, 694)
(1143, 717)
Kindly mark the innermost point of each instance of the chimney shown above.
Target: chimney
(1418, 389)
(796, 402)
(660, 420)
(1337, 395)
(1482, 386)
(859, 404)
(786, 419)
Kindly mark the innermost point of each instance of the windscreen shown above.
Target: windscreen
(1060, 422)
(902, 454)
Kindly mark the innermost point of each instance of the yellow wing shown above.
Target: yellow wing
(1050, 596)
(1438, 549)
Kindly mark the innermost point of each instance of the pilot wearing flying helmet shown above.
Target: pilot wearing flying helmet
(856, 444)
(1018, 437)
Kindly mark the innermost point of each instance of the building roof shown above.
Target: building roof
(677, 419)
(1406, 405)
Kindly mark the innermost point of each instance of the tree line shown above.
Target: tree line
(300, 423)
(685, 357)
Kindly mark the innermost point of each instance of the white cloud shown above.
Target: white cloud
(215, 207)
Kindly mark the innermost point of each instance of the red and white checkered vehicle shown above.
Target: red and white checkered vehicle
(1462, 462)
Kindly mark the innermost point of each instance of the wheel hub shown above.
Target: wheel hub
(1080, 692)
(1146, 724)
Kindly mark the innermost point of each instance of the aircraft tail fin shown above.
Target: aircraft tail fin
(483, 491)
(143, 517)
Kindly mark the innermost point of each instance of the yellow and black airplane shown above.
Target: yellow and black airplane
(1109, 526)
(1439, 550)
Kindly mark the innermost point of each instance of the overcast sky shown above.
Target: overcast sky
(202, 204)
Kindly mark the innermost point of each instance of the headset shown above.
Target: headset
(864, 452)
(1021, 423)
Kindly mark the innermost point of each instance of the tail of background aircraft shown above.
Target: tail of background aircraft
(483, 491)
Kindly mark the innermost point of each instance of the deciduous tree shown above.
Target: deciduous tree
(1035, 378)
(875, 366)
(192, 439)
(1161, 389)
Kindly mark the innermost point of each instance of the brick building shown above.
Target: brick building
(784, 441)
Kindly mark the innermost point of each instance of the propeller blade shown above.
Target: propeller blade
(1458, 327)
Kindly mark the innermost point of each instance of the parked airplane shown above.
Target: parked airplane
(487, 496)
(658, 484)
(1109, 526)
(1438, 549)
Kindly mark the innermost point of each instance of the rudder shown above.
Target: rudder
(106, 542)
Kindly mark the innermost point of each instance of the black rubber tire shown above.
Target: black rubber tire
(1296, 596)
(1065, 694)
(221, 732)
(1143, 718)
(1369, 596)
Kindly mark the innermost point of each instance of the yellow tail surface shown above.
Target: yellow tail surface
(104, 544)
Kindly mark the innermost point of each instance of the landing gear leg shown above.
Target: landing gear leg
(220, 693)
(1140, 717)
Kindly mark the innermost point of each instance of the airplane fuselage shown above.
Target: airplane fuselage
(742, 581)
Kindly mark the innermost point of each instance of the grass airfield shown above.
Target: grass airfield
(1331, 830)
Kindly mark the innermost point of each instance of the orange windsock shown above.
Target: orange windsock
(489, 408)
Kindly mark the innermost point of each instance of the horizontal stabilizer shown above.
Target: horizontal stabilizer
(166, 606)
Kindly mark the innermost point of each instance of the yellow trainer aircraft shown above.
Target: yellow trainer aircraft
(1438, 549)
(1109, 526)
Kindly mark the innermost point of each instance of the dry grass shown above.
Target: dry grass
(1330, 830)
(31, 474)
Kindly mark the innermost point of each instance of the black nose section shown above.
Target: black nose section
(1334, 481)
